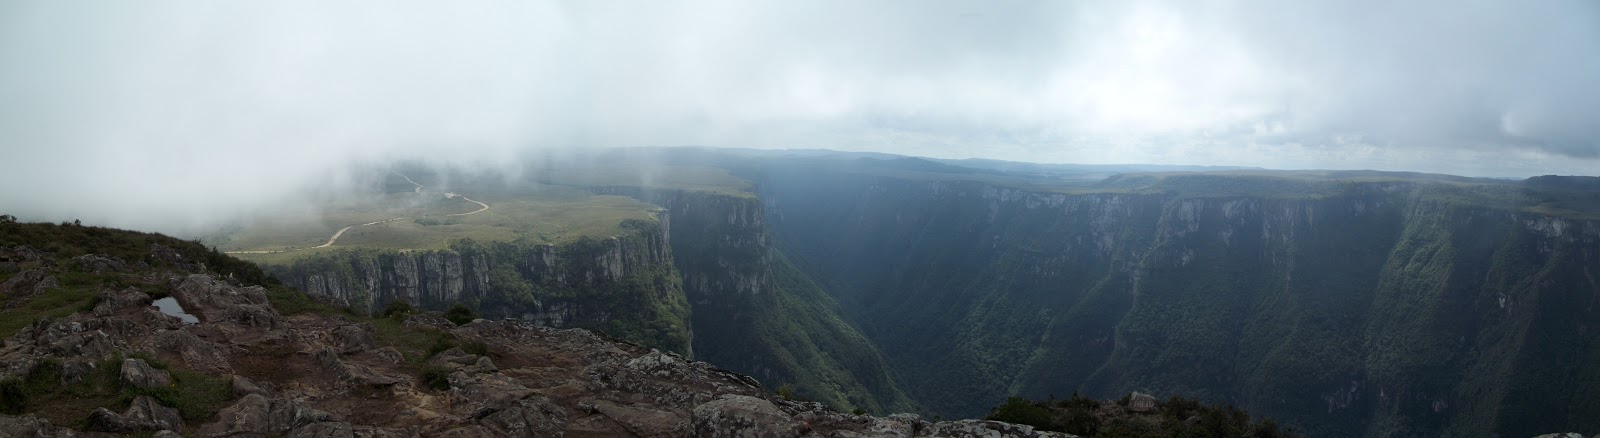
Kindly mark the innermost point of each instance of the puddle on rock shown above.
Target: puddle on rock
(171, 307)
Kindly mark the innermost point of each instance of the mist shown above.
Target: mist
(182, 115)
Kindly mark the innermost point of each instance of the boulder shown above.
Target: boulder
(112, 301)
(533, 416)
(644, 421)
(255, 414)
(324, 429)
(198, 354)
(103, 420)
(139, 374)
(985, 428)
(351, 374)
(1141, 403)
(743, 416)
(29, 426)
(28, 283)
(98, 263)
(148, 414)
(353, 339)
(251, 415)
(243, 386)
(169, 256)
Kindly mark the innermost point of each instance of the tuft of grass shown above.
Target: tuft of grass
(475, 347)
(460, 314)
(78, 292)
(439, 346)
(436, 378)
(197, 396)
(417, 343)
(289, 302)
(397, 309)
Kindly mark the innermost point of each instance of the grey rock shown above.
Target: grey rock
(392, 355)
(112, 301)
(984, 428)
(354, 338)
(325, 429)
(140, 374)
(533, 416)
(743, 416)
(351, 374)
(103, 420)
(243, 386)
(250, 415)
(99, 264)
(197, 354)
(148, 414)
(472, 431)
(645, 421)
(255, 414)
(28, 283)
(1141, 402)
(29, 426)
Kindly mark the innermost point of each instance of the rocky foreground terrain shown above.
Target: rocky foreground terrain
(267, 361)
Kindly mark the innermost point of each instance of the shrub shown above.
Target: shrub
(460, 314)
(440, 344)
(13, 399)
(436, 378)
(787, 392)
(476, 347)
(397, 309)
(1021, 411)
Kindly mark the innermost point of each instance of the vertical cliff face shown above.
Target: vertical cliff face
(756, 314)
(1364, 309)
(623, 285)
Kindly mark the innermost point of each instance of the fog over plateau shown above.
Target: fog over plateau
(180, 115)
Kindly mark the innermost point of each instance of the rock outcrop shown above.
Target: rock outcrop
(625, 285)
(316, 374)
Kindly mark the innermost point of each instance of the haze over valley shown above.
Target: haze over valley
(1147, 218)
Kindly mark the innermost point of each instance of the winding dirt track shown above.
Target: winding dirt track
(482, 207)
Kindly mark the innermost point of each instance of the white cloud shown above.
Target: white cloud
(129, 108)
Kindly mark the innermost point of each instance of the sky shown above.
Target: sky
(111, 110)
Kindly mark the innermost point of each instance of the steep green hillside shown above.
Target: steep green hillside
(754, 313)
(1343, 303)
(624, 285)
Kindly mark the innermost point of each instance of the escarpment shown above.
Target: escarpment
(1339, 307)
(624, 285)
(269, 361)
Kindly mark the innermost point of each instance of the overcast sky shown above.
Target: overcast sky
(111, 108)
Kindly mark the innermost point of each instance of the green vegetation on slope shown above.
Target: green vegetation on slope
(1174, 417)
(1342, 303)
(624, 285)
(78, 289)
(755, 314)
(535, 213)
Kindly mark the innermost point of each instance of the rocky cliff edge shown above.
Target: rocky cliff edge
(251, 368)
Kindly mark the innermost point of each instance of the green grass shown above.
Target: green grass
(290, 302)
(78, 292)
(196, 396)
(695, 178)
(539, 214)
(417, 343)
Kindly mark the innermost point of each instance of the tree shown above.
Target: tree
(397, 309)
(460, 314)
